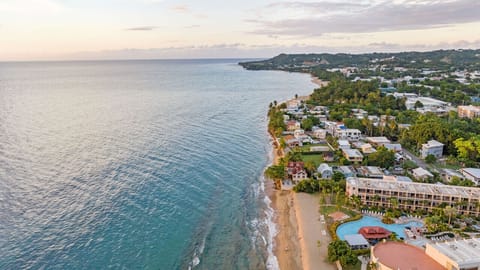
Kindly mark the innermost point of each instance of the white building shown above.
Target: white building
(472, 174)
(421, 173)
(325, 171)
(378, 141)
(432, 147)
(343, 144)
(352, 155)
(348, 134)
(319, 133)
(456, 255)
(299, 176)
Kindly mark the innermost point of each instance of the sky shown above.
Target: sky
(146, 29)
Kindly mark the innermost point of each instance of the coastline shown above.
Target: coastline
(302, 238)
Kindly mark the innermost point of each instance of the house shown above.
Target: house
(350, 134)
(293, 125)
(298, 133)
(319, 133)
(347, 171)
(432, 147)
(468, 111)
(472, 174)
(292, 141)
(367, 148)
(328, 156)
(356, 241)
(448, 175)
(378, 141)
(370, 171)
(325, 171)
(421, 174)
(343, 144)
(395, 147)
(294, 167)
(299, 176)
(352, 155)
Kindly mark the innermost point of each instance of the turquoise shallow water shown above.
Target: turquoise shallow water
(135, 164)
(354, 226)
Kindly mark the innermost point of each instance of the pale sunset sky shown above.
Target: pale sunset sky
(137, 29)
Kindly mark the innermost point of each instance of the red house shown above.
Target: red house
(374, 233)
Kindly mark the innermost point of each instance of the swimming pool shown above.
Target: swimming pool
(354, 226)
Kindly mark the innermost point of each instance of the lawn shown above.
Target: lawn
(317, 159)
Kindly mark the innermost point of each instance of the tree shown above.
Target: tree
(449, 211)
(339, 250)
(418, 104)
(430, 159)
(337, 176)
(383, 158)
(307, 124)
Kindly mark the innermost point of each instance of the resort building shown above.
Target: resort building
(352, 155)
(356, 241)
(468, 111)
(472, 174)
(414, 196)
(432, 147)
(456, 255)
(392, 255)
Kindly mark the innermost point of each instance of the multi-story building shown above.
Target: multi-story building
(414, 196)
(468, 111)
(432, 147)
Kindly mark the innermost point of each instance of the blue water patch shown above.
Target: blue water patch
(354, 226)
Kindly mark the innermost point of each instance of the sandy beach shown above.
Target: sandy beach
(319, 82)
(302, 239)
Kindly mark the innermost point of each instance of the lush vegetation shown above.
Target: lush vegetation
(339, 250)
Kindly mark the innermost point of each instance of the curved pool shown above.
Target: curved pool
(353, 226)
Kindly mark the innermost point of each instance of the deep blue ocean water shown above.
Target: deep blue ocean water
(136, 164)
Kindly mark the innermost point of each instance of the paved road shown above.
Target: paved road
(412, 157)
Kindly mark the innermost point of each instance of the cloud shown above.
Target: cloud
(142, 28)
(192, 26)
(316, 19)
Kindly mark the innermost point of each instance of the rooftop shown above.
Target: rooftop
(421, 172)
(463, 252)
(397, 255)
(433, 189)
(356, 240)
(378, 140)
(352, 153)
(472, 171)
(374, 232)
(433, 143)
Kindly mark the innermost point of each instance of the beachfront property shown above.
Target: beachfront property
(432, 147)
(421, 174)
(293, 125)
(456, 255)
(299, 176)
(472, 174)
(468, 111)
(414, 196)
(291, 141)
(390, 255)
(352, 155)
(378, 141)
(356, 241)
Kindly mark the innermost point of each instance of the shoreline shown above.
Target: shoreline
(302, 238)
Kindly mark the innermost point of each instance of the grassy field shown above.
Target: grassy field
(317, 159)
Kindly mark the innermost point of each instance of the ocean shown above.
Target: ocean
(137, 164)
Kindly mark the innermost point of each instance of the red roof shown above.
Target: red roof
(394, 254)
(374, 232)
(294, 167)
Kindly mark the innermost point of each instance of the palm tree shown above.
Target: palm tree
(449, 211)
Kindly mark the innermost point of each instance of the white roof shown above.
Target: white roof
(323, 167)
(356, 240)
(433, 143)
(421, 172)
(472, 171)
(378, 140)
(466, 252)
(353, 153)
(343, 143)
